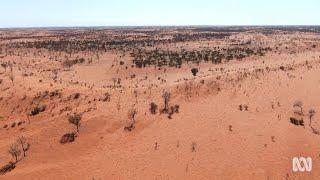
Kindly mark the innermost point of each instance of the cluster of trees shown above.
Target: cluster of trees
(299, 114)
(159, 58)
(70, 63)
(167, 108)
(75, 120)
(199, 36)
(21, 145)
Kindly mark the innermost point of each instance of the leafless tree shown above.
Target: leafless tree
(28, 117)
(14, 151)
(114, 82)
(132, 114)
(166, 98)
(24, 144)
(187, 89)
(11, 77)
(118, 105)
(193, 147)
(312, 112)
(299, 105)
(11, 67)
(98, 57)
(75, 120)
(135, 92)
(4, 65)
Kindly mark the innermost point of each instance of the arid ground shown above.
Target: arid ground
(159, 103)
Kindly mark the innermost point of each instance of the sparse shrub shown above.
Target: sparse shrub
(172, 110)
(68, 138)
(153, 108)
(315, 131)
(297, 122)
(130, 127)
(240, 107)
(70, 63)
(38, 110)
(246, 107)
(243, 107)
(194, 71)
(76, 96)
(107, 97)
(7, 168)
(13, 124)
(54, 93)
(176, 108)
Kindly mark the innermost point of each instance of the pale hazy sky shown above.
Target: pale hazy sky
(41, 13)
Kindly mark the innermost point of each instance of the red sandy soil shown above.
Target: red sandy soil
(210, 138)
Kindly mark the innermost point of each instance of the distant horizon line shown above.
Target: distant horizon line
(144, 26)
